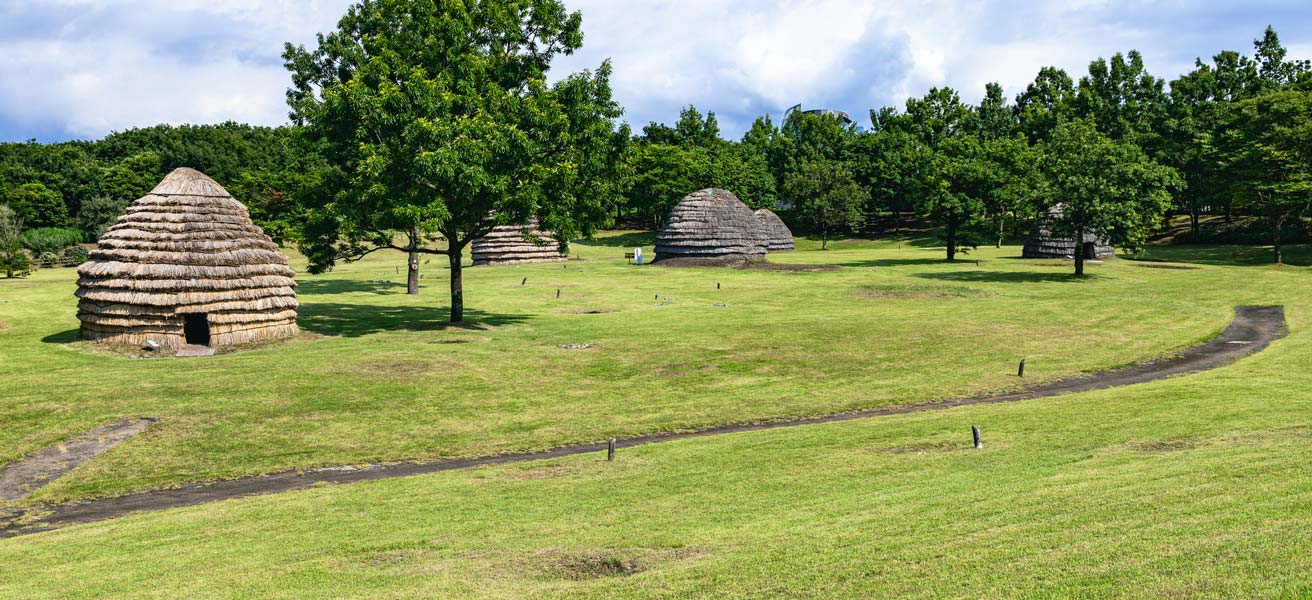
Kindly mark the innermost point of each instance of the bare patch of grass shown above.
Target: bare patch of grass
(919, 292)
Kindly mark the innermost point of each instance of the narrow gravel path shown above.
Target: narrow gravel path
(1253, 329)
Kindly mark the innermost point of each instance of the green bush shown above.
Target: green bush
(51, 240)
(76, 255)
(13, 260)
(98, 214)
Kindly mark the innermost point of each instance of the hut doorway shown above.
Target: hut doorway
(1090, 251)
(196, 327)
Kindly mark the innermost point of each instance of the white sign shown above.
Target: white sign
(637, 256)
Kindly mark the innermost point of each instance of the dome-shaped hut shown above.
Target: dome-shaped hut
(777, 235)
(1042, 244)
(186, 265)
(711, 227)
(516, 245)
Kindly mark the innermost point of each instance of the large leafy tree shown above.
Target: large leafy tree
(1046, 102)
(438, 122)
(825, 196)
(37, 205)
(1106, 187)
(1124, 100)
(1265, 155)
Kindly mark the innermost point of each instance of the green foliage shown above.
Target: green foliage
(75, 255)
(37, 205)
(825, 196)
(437, 118)
(1264, 151)
(1123, 100)
(13, 260)
(1103, 186)
(1046, 101)
(51, 240)
(98, 214)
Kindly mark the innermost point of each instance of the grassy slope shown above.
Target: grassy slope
(896, 325)
(1192, 487)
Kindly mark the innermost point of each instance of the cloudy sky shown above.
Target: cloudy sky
(83, 68)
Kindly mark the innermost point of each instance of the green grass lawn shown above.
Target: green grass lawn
(1193, 487)
(379, 377)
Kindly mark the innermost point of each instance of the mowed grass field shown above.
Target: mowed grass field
(380, 377)
(1193, 487)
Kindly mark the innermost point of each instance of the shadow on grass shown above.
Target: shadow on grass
(63, 337)
(354, 320)
(897, 262)
(309, 287)
(1008, 277)
(632, 239)
(1298, 255)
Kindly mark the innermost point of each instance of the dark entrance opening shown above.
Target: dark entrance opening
(197, 329)
(1090, 251)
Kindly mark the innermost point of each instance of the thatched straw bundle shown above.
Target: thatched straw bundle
(1042, 244)
(516, 245)
(713, 227)
(186, 262)
(777, 235)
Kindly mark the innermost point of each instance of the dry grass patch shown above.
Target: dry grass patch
(919, 292)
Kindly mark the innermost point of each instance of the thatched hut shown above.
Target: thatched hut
(186, 265)
(1042, 244)
(711, 227)
(516, 245)
(777, 235)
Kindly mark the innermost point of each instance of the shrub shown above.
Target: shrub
(76, 255)
(51, 240)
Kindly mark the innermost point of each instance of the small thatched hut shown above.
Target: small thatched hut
(515, 245)
(1042, 244)
(186, 265)
(711, 227)
(777, 235)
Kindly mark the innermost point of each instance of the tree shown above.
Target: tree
(1265, 154)
(98, 214)
(889, 164)
(825, 196)
(1123, 100)
(437, 122)
(1274, 72)
(1046, 102)
(13, 260)
(993, 119)
(35, 204)
(949, 193)
(1107, 187)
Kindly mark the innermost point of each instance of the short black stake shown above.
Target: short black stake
(610, 450)
(1021, 371)
(525, 282)
(557, 293)
(974, 431)
(717, 285)
(658, 297)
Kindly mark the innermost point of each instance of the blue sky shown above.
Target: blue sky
(78, 69)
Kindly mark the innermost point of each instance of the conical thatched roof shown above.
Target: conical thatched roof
(1042, 244)
(711, 226)
(513, 245)
(185, 260)
(778, 237)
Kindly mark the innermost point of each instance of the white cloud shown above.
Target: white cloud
(85, 67)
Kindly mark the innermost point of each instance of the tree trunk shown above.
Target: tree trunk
(1001, 223)
(1193, 221)
(457, 286)
(952, 240)
(412, 270)
(1279, 226)
(1079, 253)
(824, 238)
(897, 222)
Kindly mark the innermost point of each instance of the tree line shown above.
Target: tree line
(420, 126)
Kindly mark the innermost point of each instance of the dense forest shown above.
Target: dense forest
(1231, 139)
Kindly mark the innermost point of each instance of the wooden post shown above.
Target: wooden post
(1021, 372)
(557, 293)
(974, 431)
(610, 450)
(525, 282)
(717, 285)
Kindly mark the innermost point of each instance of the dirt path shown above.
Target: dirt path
(1253, 329)
(19, 479)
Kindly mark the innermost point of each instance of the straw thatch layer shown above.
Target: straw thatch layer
(187, 248)
(516, 245)
(711, 226)
(777, 235)
(1042, 244)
